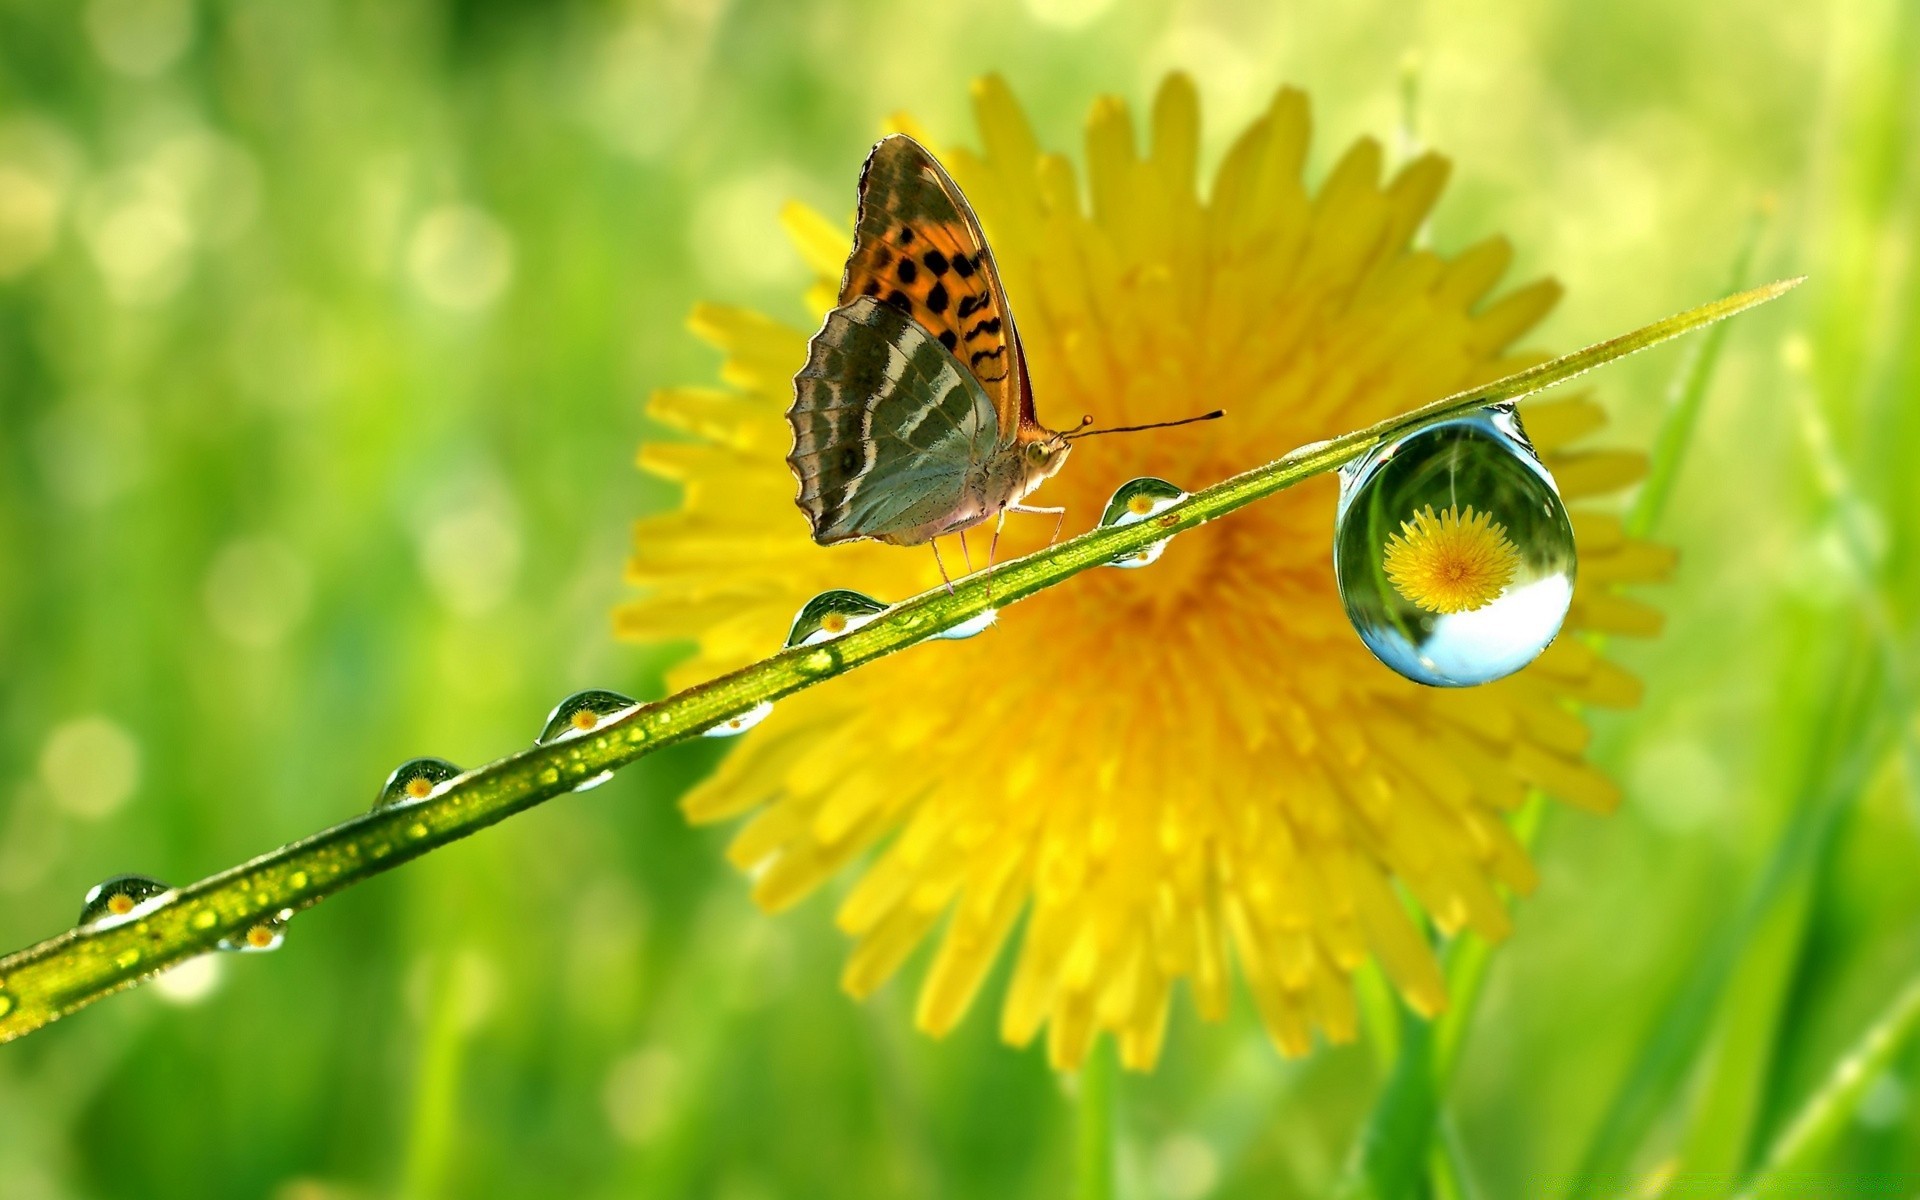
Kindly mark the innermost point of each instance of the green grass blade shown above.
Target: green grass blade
(1814, 1130)
(1391, 1155)
(1851, 737)
(52, 978)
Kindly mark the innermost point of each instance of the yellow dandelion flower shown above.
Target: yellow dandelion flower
(1177, 773)
(1450, 563)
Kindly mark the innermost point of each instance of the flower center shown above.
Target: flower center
(1451, 563)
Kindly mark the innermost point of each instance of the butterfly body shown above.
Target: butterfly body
(913, 416)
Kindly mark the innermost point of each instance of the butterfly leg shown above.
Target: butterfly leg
(993, 548)
(966, 553)
(1059, 514)
(941, 563)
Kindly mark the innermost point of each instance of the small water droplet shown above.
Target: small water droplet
(1133, 502)
(414, 780)
(6, 1003)
(1453, 552)
(418, 830)
(261, 936)
(820, 662)
(583, 712)
(119, 899)
(831, 614)
(734, 726)
(977, 624)
(297, 880)
(127, 959)
(206, 918)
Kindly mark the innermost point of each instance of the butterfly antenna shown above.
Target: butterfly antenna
(1215, 415)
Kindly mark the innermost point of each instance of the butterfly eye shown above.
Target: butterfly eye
(1037, 452)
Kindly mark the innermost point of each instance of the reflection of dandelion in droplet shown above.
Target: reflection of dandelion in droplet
(256, 592)
(830, 614)
(460, 257)
(1451, 562)
(1134, 501)
(113, 900)
(91, 766)
(734, 726)
(414, 780)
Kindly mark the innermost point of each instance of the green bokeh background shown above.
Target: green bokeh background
(325, 331)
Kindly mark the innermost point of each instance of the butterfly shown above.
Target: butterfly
(913, 416)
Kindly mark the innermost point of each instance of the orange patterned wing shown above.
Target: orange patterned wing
(918, 247)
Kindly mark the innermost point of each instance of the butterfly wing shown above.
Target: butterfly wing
(918, 247)
(888, 430)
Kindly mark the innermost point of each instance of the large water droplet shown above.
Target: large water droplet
(831, 614)
(734, 726)
(1453, 552)
(261, 936)
(112, 901)
(583, 712)
(1134, 501)
(414, 780)
(977, 624)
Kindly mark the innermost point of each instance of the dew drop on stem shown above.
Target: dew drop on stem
(112, 901)
(736, 725)
(261, 936)
(582, 713)
(831, 614)
(1135, 501)
(413, 781)
(1453, 552)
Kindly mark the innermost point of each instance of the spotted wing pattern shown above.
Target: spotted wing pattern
(918, 247)
(888, 430)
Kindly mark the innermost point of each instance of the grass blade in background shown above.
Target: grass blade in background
(1817, 1127)
(1850, 733)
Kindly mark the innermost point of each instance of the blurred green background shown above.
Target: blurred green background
(325, 327)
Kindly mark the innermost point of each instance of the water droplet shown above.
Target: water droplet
(583, 712)
(115, 901)
(978, 623)
(297, 880)
(831, 614)
(740, 724)
(1134, 501)
(206, 918)
(6, 1004)
(415, 780)
(819, 662)
(1453, 552)
(261, 936)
